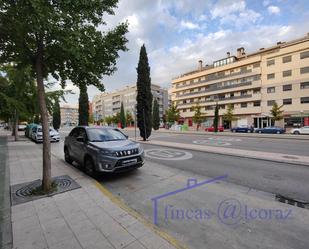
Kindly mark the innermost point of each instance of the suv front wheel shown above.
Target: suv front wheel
(89, 167)
(67, 156)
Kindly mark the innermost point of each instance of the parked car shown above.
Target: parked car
(212, 129)
(271, 129)
(301, 130)
(37, 134)
(102, 149)
(22, 127)
(243, 128)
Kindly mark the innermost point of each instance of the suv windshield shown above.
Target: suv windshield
(103, 135)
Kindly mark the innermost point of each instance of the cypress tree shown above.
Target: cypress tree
(56, 116)
(155, 115)
(216, 119)
(83, 108)
(122, 117)
(144, 95)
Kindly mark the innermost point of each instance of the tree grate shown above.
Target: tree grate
(21, 193)
(290, 201)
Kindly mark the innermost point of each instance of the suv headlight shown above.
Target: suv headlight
(107, 153)
(140, 148)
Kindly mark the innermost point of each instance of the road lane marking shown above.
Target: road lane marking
(168, 154)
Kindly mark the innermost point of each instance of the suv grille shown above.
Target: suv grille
(126, 152)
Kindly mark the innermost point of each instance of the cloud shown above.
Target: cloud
(189, 25)
(235, 14)
(266, 3)
(273, 9)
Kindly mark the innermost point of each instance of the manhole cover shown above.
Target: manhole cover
(211, 142)
(168, 154)
(21, 193)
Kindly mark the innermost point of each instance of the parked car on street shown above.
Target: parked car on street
(21, 127)
(212, 129)
(243, 128)
(271, 129)
(37, 134)
(102, 149)
(301, 130)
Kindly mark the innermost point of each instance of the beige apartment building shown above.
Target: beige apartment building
(251, 83)
(108, 104)
(69, 115)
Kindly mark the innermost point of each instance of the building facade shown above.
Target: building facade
(69, 115)
(251, 83)
(108, 104)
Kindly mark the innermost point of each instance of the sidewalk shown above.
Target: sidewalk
(88, 217)
(260, 155)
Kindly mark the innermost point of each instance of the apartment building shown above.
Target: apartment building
(251, 83)
(69, 114)
(108, 104)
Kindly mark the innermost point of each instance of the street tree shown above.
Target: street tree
(216, 118)
(122, 116)
(198, 116)
(276, 112)
(83, 106)
(109, 120)
(172, 114)
(156, 115)
(56, 115)
(229, 115)
(144, 95)
(129, 118)
(60, 39)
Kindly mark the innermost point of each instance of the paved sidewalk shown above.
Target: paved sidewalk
(269, 156)
(82, 218)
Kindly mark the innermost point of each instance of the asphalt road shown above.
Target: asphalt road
(251, 182)
(288, 145)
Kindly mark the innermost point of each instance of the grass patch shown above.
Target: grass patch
(39, 190)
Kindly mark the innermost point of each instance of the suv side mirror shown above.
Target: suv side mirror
(126, 136)
(80, 139)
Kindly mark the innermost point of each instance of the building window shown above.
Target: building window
(304, 85)
(257, 103)
(243, 93)
(304, 70)
(255, 65)
(271, 102)
(287, 59)
(287, 87)
(287, 101)
(287, 73)
(304, 55)
(271, 62)
(256, 91)
(271, 89)
(243, 105)
(270, 76)
(304, 100)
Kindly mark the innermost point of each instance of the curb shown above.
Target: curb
(181, 146)
(117, 201)
(6, 236)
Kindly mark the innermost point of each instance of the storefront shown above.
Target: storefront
(262, 121)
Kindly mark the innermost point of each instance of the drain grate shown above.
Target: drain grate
(21, 193)
(292, 202)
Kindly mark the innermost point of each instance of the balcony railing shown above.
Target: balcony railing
(212, 89)
(215, 78)
(219, 100)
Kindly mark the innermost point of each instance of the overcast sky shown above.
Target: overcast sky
(178, 33)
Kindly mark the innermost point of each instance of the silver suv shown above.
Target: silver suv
(102, 149)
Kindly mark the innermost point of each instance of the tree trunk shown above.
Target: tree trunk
(16, 121)
(46, 182)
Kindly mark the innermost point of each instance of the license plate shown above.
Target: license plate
(131, 161)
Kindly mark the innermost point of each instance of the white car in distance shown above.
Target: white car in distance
(37, 134)
(301, 130)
